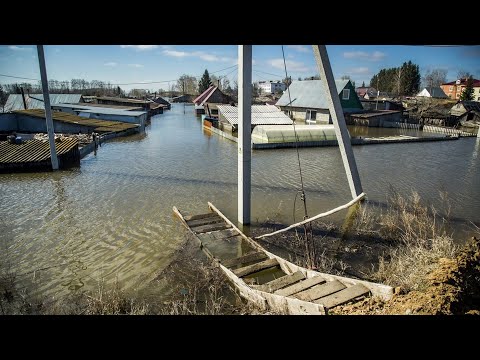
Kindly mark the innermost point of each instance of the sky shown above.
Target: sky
(127, 64)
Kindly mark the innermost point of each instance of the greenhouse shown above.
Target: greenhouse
(268, 134)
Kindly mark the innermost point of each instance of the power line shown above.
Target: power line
(18, 77)
(269, 73)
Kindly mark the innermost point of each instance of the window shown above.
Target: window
(311, 115)
(450, 89)
(478, 98)
(346, 94)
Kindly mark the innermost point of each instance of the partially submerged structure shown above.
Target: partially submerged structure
(308, 100)
(211, 95)
(35, 101)
(467, 113)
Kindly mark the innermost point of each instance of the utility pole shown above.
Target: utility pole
(338, 119)
(23, 98)
(244, 132)
(48, 109)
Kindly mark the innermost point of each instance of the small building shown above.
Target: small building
(35, 101)
(211, 95)
(433, 92)
(261, 115)
(160, 100)
(384, 118)
(366, 92)
(268, 134)
(144, 104)
(467, 113)
(455, 88)
(369, 105)
(271, 87)
(309, 100)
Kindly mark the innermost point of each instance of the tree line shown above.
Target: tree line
(402, 80)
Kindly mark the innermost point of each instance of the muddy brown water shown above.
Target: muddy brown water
(112, 217)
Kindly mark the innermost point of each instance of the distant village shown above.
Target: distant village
(82, 122)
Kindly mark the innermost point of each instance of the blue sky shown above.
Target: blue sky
(122, 64)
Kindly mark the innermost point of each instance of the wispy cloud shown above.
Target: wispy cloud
(199, 54)
(299, 48)
(111, 63)
(139, 47)
(135, 65)
(291, 65)
(358, 70)
(19, 48)
(363, 55)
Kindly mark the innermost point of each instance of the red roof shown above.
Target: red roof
(203, 97)
(476, 82)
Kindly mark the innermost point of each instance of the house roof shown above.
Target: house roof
(15, 101)
(203, 97)
(435, 92)
(102, 110)
(309, 94)
(123, 100)
(261, 115)
(469, 105)
(476, 82)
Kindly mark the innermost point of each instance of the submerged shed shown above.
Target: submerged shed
(268, 134)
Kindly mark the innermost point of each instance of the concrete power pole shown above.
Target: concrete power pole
(336, 112)
(244, 132)
(48, 109)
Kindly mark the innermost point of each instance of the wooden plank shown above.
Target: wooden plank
(319, 291)
(343, 296)
(199, 216)
(253, 256)
(302, 285)
(282, 282)
(205, 221)
(250, 269)
(211, 227)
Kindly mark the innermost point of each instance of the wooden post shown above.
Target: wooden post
(244, 132)
(48, 109)
(338, 119)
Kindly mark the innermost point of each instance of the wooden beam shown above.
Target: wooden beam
(210, 227)
(199, 216)
(205, 221)
(281, 282)
(302, 285)
(343, 296)
(319, 291)
(250, 269)
(253, 256)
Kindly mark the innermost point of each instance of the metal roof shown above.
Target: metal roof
(435, 92)
(98, 124)
(33, 150)
(261, 115)
(121, 107)
(122, 100)
(15, 101)
(309, 94)
(102, 110)
(203, 97)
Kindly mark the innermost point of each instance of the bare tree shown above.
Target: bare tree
(435, 78)
(463, 74)
(187, 84)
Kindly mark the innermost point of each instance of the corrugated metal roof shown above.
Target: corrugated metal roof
(120, 107)
(122, 100)
(261, 115)
(15, 101)
(98, 124)
(309, 94)
(435, 92)
(101, 110)
(33, 150)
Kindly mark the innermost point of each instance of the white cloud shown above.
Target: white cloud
(135, 65)
(291, 65)
(299, 48)
(111, 63)
(358, 70)
(18, 48)
(363, 55)
(139, 47)
(199, 54)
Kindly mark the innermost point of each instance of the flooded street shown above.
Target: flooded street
(112, 217)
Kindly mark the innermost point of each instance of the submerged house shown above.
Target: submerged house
(211, 95)
(467, 112)
(309, 100)
(35, 101)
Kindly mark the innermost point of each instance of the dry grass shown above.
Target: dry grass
(417, 234)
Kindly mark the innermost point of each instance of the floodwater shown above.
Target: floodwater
(112, 217)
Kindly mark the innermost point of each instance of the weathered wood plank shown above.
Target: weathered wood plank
(199, 216)
(209, 220)
(254, 256)
(319, 291)
(343, 296)
(281, 282)
(302, 285)
(210, 227)
(250, 269)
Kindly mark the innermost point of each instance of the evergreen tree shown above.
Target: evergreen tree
(363, 83)
(404, 80)
(205, 82)
(467, 93)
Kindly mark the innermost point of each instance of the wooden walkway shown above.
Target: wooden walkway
(268, 280)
